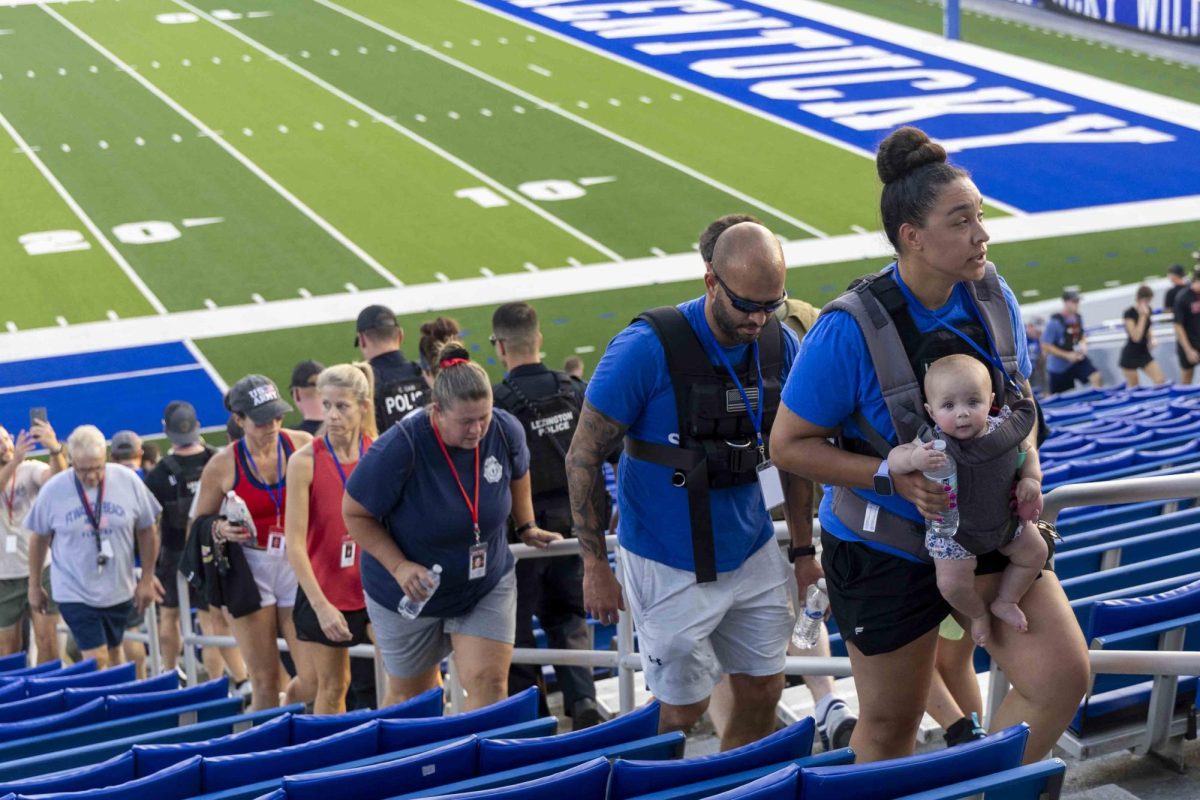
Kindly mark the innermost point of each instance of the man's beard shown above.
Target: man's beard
(728, 326)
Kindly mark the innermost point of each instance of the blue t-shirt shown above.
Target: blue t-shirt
(404, 481)
(631, 385)
(834, 377)
(1054, 332)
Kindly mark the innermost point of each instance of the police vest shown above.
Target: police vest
(398, 393)
(900, 354)
(1072, 332)
(185, 481)
(717, 447)
(550, 422)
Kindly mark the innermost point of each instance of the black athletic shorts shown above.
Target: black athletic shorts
(882, 602)
(308, 628)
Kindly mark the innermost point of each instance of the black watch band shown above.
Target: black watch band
(521, 529)
(803, 550)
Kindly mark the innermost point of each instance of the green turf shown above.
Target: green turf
(1042, 44)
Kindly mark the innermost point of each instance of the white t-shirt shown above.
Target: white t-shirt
(16, 496)
(58, 512)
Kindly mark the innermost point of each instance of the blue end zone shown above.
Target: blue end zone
(1034, 146)
(114, 390)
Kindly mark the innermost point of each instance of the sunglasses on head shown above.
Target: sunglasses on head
(749, 306)
(493, 338)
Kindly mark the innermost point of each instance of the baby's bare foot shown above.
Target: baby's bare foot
(981, 628)
(1011, 614)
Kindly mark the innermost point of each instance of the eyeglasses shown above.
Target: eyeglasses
(493, 338)
(749, 306)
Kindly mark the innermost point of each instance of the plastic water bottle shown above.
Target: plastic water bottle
(410, 608)
(235, 511)
(947, 476)
(808, 627)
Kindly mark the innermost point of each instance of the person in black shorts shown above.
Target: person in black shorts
(1138, 352)
(1187, 328)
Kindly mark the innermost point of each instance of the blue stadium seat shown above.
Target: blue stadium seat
(1032, 782)
(270, 735)
(15, 661)
(181, 781)
(90, 713)
(496, 755)
(308, 727)
(14, 690)
(1135, 549)
(586, 782)
(228, 772)
(783, 784)
(1056, 457)
(1187, 563)
(630, 778)
(123, 673)
(118, 769)
(34, 707)
(401, 734)
(439, 766)
(167, 682)
(1087, 467)
(1122, 529)
(884, 780)
(707, 788)
(51, 667)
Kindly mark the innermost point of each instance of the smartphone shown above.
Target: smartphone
(37, 413)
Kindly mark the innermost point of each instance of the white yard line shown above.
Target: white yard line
(296, 203)
(284, 314)
(383, 119)
(112, 376)
(207, 365)
(94, 229)
(548, 106)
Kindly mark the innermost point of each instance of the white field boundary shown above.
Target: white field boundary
(438, 296)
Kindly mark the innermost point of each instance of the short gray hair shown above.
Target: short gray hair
(85, 440)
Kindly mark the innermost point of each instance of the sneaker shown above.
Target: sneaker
(243, 690)
(965, 730)
(836, 727)
(584, 714)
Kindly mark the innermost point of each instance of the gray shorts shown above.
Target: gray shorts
(409, 647)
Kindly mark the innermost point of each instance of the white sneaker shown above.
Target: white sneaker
(837, 726)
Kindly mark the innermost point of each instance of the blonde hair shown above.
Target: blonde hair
(358, 378)
(86, 439)
(955, 366)
(459, 382)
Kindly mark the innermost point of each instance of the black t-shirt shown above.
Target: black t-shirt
(162, 485)
(1132, 347)
(400, 388)
(1187, 315)
(310, 426)
(1171, 296)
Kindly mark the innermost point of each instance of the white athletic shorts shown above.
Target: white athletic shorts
(691, 633)
(274, 576)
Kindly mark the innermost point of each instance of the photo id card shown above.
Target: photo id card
(349, 549)
(10, 544)
(275, 541)
(477, 565)
(771, 484)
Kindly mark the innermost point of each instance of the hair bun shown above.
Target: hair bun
(452, 351)
(904, 151)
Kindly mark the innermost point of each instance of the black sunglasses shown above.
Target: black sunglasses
(493, 338)
(749, 306)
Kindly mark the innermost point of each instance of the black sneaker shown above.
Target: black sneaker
(965, 730)
(584, 714)
(837, 726)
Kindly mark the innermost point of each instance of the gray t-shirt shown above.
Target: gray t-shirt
(16, 496)
(58, 512)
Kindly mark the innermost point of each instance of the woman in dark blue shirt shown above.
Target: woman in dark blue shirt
(438, 489)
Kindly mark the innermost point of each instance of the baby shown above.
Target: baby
(988, 452)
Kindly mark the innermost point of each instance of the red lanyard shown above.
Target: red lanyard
(12, 493)
(473, 508)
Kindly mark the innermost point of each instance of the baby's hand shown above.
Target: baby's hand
(1029, 499)
(926, 459)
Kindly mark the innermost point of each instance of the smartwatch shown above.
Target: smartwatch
(883, 480)
(803, 550)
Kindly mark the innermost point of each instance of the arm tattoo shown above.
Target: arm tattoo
(596, 436)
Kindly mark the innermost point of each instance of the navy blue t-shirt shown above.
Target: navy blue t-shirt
(405, 482)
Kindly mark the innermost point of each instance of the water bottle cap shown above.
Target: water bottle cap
(939, 445)
(821, 584)
(437, 568)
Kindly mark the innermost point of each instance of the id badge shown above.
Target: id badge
(771, 484)
(477, 565)
(106, 548)
(349, 550)
(275, 541)
(10, 544)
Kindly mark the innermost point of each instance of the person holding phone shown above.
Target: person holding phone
(20, 481)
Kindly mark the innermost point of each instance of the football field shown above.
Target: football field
(243, 177)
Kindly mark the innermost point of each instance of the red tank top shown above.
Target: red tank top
(258, 495)
(327, 531)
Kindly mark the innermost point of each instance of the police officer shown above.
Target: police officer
(547, 403)
(399, 386)
(696, 387)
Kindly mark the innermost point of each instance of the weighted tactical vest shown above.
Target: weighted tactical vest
(717, 447)
(900, 353)
(1072, 332)
(550, 422)
(399, 391)
(186, 482)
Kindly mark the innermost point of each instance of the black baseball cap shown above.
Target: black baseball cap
(305, 371)
(1070, 294)
(1176, 269)
(375, 317)
(125, 445)
(180, 423)
(257, 397)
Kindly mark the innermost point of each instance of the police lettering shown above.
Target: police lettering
(549, 426)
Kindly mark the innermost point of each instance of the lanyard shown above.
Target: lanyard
(93, 515)
(992, 358)
(12, 494)
(338, 464)
(281, 485)
(472, 508)
(756, 417)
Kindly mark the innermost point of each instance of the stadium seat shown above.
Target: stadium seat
(586, 782)
(15, 661)
(270, 735)
(783, 784)
(496, 755)
(33, 707)
(1180, 564)
(50, 668)
(123, 673)
(883, 780)
(401, 734)
(1033, 782)
(1088, 560)
(179, 782)
(631, 778)
(1108, 533)
(14, 690)
(228, 772)
(723, 783)
(308, 727)
(118, 769)
(167, 682)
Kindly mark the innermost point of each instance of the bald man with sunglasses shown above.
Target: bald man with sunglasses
(692, 389)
